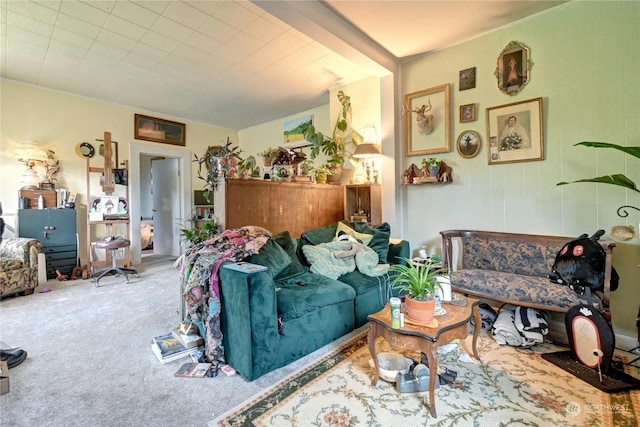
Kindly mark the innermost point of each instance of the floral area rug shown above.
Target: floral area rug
(511, 386)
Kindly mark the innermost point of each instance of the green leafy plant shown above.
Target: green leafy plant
(197, 234)
(333, 147)
(615, 179)
(215, 160)
(431, 161)
(418, 280)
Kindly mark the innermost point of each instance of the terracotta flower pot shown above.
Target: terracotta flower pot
(421, 311)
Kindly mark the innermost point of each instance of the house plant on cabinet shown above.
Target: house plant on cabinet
(334, 147)
(418, 282)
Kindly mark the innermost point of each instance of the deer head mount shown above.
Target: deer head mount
(424, 121)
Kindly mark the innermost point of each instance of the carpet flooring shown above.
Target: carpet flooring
(89, 360)
(510, 387)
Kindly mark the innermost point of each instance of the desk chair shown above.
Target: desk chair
(113, 244)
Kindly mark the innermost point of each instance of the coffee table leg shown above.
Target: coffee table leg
(433, 372)
(371, 343)
(477, 319)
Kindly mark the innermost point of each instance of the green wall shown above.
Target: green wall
(586, 57)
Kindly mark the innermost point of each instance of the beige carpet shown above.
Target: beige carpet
(510, 387)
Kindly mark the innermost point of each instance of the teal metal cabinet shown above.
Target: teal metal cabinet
(56, 229)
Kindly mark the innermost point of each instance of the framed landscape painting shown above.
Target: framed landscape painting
(159, 130)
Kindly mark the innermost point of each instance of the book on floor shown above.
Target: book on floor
(187, 340)
(245, 267)
(168, 345)
(193, 370)
(175, 356)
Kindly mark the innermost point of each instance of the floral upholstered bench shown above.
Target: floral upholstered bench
(514, 269)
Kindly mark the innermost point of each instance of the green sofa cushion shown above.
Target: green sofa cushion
(273, 256)
(379, 241)
(295, 268)
(309, 292)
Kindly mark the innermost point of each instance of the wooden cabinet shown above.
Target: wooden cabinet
(365, 198)
(56, 229)
(279, 206)
(50, 198)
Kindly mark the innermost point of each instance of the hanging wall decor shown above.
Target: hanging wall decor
(427, 122)
(513, 68)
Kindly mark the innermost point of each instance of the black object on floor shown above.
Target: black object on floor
(13, 357)
(613, 381)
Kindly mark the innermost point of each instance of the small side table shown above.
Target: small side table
(451, 326)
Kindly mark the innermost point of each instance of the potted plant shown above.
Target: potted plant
(194, 234)
(320, 173)
(218, 161)
(418, 281)
(269, 155)
(333, 147)
(433, 165)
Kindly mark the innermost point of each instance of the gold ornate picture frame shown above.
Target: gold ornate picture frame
(427, 121)
(468, 113)
(515, 132)
(513, 68)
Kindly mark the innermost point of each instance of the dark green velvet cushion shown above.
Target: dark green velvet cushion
(295, 268)
(380, 240)
(273, 256)
(316, 236)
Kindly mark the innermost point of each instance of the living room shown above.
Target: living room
(584, 56)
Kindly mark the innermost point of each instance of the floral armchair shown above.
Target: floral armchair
(19, 265)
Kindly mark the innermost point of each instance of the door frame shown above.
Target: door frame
(137, 148)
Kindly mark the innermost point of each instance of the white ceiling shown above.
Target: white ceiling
(229, 63)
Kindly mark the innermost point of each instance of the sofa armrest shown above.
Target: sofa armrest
(24, 249)
(398, 249)
(249, 318)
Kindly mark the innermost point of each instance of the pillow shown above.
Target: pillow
(379, 240)
(315, 236)
(289, 245)
(273, 256)
(365, 238)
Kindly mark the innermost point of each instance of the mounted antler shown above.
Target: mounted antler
(423, 121)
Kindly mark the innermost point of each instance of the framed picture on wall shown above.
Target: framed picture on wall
(427, 121)
(513, 68)
(467, 113)
(515, 132)
(159, 130)
(293, 133)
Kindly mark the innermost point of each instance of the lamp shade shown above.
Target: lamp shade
(367, 150)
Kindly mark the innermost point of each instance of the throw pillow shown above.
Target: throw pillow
(273, 256)
(315, 236)
(287, 243)
(379, 240)
(365, 238)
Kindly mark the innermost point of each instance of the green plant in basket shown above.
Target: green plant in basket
(418, 280)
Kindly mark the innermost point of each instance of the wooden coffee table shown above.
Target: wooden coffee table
(410, 337)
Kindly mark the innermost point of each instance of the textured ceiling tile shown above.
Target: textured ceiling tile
(69, 51)
(171, 29)
(217, 29)
(185, 14)
(146, 51)
(77, 26)
(229, 54)
(159, 41)
(116, 40)
(202, 42)
(135, 13)
(142, 61)
(50, 4)
(33, 11)
(235, 15)
(125, 28)
(208, 7)
(26, 38)
(246, 43)
(104, 5)
(71, 38)
(107, 51)
(29, 24)
(84, 12)
(156, 6)
(264, 30)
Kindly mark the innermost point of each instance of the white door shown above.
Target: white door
(166, 210)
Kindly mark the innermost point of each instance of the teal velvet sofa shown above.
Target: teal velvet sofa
(274, 317)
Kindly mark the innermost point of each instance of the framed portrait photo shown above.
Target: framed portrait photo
(513, 68)
(515, 132)
(427, 121)
(468, 113)
(159, 130)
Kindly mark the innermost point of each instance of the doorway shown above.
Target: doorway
(176, 201)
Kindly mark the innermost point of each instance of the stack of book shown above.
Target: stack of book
(187, 340)
(167, 348)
